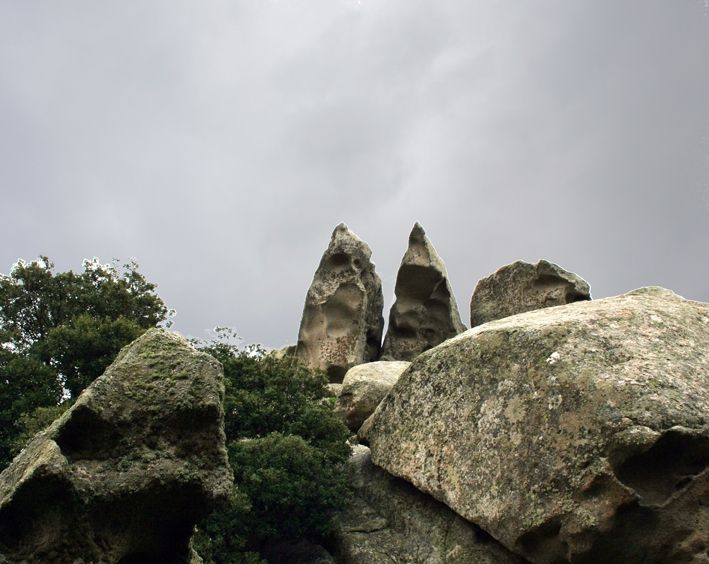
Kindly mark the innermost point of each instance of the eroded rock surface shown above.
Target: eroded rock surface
(126, 472)
(578, 433)
(521, 286)
(425, 312)
(364, 386)
(342, 319)
(391, 521)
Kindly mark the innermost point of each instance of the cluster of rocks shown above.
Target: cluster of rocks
(342, 320)
(577, 433)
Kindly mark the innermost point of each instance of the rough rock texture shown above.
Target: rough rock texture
(126, 472)
(578, 433)
(284, 352)
(342, 319)
(425, 312)
(390, 521)
(521, 286)
(364, 387)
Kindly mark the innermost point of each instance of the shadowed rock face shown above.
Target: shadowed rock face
(425, 312)
(342, 319)
(390, 521)
(571, 434)
(126, 472)
(521, 286)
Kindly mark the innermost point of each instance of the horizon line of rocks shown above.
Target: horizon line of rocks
(342, 321)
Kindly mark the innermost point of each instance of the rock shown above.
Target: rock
(391, 521)
(297, 552)
(342, 319)
(520, 286)
(284, 352)
(425, 312)
(573, 434)
(364, 386)
(334, 389)
(126, 472)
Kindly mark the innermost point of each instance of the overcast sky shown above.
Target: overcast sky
(220, 142)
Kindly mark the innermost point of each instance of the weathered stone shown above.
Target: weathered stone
(425, 312)
(342, 319)
(297, 552)
(126, 472)
(521, 286)
(364, 386)
(391, 521)
(284, 352)
(578, 433)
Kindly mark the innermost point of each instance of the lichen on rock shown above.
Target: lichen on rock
(577, 433)
(126, 472)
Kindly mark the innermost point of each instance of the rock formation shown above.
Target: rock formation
(342, 319)
(364, 386)
(391, 521)
(126, 472)
(425, 312)
(578, 433)
(521, 286)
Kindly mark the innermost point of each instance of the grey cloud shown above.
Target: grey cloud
(219, 143)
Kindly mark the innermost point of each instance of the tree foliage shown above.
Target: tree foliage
(61, 330)
(287, 449)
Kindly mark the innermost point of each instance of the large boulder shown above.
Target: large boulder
(521, 286)
(578, 433)
(425, 312)
(364, 386)
(126, 472)
(391, 521)
(342, 320)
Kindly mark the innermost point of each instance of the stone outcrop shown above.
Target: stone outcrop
(126, 472)
(364, 386)
(521, 286)
(342, 319)
(578, 433)
(425, 312)
(391, 521)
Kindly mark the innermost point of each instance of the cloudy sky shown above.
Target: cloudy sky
(219, 142)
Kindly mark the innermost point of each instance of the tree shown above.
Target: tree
(60, 331)
(287, 449)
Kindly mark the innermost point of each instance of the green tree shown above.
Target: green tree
(61, 330)
(287, 449)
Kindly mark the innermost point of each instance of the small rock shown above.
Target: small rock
(521, 286)
(364, 386)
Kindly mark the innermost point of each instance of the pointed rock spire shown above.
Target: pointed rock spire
(425, 312)
(342, 319)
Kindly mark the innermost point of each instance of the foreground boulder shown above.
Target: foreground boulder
(425, 312)
(126, 472)
(364, 387)
(391, 521)
(521, 286)
(342, 319)
(578, 433)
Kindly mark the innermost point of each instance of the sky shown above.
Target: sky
(220, 142)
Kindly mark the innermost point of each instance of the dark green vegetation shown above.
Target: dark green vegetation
(286, 447)
(58, 332)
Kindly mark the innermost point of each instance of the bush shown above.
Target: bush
(287, 449)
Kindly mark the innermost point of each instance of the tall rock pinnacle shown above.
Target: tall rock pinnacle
(342, 320)
(425, 312)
